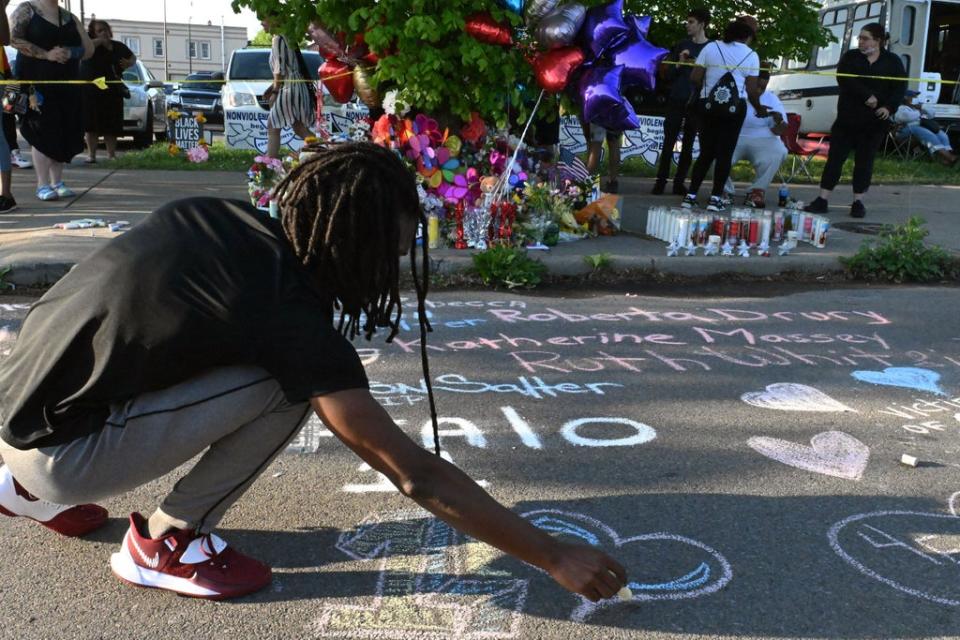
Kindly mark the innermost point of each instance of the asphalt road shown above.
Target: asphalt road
(741, 456)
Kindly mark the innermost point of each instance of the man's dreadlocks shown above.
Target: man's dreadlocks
(341, 211)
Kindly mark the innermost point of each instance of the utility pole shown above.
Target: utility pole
(166, 63)
(223, 49)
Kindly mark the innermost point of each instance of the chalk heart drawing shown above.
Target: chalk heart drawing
(434, 582)
(789, 396)
(915, 552)
(832, 453)
(684, 578)
(906, 377)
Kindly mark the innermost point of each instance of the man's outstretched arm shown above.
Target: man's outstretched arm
(441, 488)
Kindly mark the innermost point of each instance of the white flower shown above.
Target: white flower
(390, 102)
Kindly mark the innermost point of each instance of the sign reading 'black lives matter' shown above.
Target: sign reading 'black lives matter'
(185, 131)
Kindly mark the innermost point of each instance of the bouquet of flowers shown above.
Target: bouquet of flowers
(263, 175)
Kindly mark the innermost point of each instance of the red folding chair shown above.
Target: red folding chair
(801, 151)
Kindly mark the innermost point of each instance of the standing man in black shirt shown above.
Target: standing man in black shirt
(870, 93)
(209, 330)
(681, 114)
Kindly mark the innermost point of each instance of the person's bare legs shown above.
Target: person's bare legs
(41, 166)
(613, 167)
(111, 142)
(302, 130)
(594, 150)
(56, 172)
(273, 143)
(92, 141)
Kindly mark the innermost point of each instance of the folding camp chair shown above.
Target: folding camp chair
(801, 151)
(895, 143)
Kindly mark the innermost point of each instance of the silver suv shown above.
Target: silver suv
(145, 111)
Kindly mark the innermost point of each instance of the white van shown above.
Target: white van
(924, 33)
(245, 111)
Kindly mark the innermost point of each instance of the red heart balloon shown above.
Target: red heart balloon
(554, 68)
(484, 28)
(338, 79)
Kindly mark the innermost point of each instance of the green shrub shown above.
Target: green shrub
(900, 255)
(508, 266)
(598, 261)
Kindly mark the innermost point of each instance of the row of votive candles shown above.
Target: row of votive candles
(754, 226)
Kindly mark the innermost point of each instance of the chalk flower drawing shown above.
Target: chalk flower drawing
(433, 582)
(925, 565)
(832, 453)
(906, 377)
(789, 396)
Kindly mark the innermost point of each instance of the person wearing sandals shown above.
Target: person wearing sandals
(103, 110)
(51, 43)
(291, 101)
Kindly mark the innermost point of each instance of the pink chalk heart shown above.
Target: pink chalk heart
(789, 396)
(832, 453)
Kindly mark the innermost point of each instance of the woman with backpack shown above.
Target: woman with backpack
(727, 73)
(292, 101)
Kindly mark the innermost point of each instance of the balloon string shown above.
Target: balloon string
(501, 188)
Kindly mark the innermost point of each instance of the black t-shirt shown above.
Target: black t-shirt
(200, 283)
(680, 85)
(855, 91)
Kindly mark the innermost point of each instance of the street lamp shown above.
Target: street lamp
(166, 60)
(190, 42)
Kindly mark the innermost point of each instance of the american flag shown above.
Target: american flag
(570, 166)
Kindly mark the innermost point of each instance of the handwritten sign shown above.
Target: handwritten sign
(185, 132)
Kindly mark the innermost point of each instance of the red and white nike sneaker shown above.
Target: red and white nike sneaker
(67, 520)
(187, 563)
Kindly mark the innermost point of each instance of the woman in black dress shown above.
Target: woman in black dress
(51, 43)
(103, 110)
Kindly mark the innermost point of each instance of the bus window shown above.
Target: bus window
(796, 64)
(829, 55)
(906, 28)
(875, 8)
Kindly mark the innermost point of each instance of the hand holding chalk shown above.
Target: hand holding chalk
(587, 571)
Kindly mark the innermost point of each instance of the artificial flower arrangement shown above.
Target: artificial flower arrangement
(266, 173)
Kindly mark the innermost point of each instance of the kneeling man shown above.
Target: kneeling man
(760, 144)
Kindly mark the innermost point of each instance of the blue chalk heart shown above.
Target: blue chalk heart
(908, 377)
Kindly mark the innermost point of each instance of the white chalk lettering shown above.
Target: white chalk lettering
(643, 433)
(522, 428)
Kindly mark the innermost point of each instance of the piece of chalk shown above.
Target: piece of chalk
(625, 594)
(908, 460)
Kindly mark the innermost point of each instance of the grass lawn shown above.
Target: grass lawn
(885, 171)
(158, 157)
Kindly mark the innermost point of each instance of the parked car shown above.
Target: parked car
(245, 110)
(200, 93)
(145, 111)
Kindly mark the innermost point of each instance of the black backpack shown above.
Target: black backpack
(723, 100)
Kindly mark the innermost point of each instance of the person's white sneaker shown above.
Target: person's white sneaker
(19, 161)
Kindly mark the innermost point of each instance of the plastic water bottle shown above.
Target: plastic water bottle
(783, 196)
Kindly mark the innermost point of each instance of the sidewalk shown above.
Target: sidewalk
(38, 253)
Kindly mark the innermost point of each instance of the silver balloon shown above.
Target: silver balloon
(561, 27)
(538, 9)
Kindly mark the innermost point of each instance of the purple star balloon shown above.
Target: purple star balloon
(603, 103)
(639, 24)
(604, 28)
(639, 60)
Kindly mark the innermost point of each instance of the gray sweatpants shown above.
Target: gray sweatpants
(236, 416)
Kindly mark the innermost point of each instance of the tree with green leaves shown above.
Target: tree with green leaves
(425, 52)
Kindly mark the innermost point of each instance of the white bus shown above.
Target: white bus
(924, 33)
